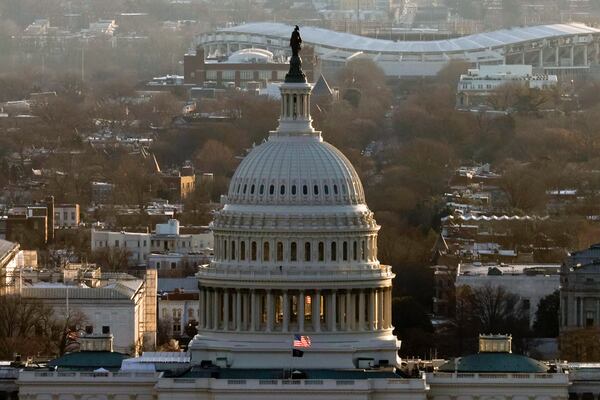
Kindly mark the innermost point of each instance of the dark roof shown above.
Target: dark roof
(493, 362)
(321, 88)
(242, 373)
(89, 360)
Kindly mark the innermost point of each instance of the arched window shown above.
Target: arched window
(272, 189)
(262, 189)
(245, 187)
(279, 251)
(345, 251)
(224, 249)
(363, 253)
(293, 252)
(321, 251)
(307, 251)
(266, 255)
(333, 251)
(233, 255)
(355, 251)
(304, 190)
(282, 190)
(326, 190)
(294, 190)
(253, 251)
(243, 250)
(238, 188)
(316, 190)
(335, 189)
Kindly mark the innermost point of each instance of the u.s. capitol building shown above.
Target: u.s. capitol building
(295, 256)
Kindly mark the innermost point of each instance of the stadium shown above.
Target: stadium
(570, 51)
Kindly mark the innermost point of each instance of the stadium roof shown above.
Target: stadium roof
(351, 42)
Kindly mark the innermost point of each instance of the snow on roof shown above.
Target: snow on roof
(479, 41)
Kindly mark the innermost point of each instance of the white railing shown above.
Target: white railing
(261, 272)
(483, 376)
(86, 375)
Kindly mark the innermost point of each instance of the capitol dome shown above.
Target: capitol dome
(295, 255)
(295, 170)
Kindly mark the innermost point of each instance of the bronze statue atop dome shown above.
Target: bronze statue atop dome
(295, 74)
(296, 41)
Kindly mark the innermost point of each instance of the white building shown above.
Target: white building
(159, 249)
(136, 244)
(477, 85)
(295, 253)
(117, 304)
(66, 215)
(531, 282)
(13, 259)
(496, 373)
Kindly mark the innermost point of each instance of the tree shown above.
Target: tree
(112, 259)
(496, 309)
(412, 325)
(25, 327)
(546, 316)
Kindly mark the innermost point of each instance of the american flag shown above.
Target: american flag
(301, 341)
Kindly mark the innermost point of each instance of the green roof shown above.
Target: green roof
(493, 362)
(89, 360)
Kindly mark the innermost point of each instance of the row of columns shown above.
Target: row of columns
(256, 250)
(274, 310)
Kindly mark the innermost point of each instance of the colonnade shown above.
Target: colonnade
(289, 251)
(297, 311)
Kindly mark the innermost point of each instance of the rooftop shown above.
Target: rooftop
(89, 360)
(493, 362)
(479, 41)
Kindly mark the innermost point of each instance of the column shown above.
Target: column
(270, 310)
(215, 304)
(379, 294)
(226, 309)
(585, 55)
(301, 311)
(238, 310)
(388, 308)
(208, 310)
(361, 310)
(557, 55)
(202, 308)
(541, 58)
(572, 55)
(341, 309)
(371, 325)
(285, 326)
(316, 311)
(333, 300)
(246, 310)
(253, 310)
(348, 312)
